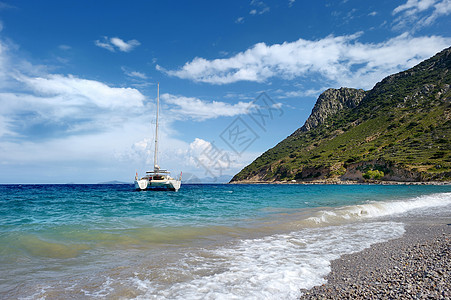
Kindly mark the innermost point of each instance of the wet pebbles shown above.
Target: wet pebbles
(416, 266)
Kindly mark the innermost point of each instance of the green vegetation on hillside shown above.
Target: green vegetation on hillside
(399, 131)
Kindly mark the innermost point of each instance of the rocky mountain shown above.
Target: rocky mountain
(397, 131)
(331, 102)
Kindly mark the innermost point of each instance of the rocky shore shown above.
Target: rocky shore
(345, 182)
(415, 266)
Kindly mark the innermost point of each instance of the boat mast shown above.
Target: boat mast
(155, 159)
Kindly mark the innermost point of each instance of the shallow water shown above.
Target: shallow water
(203, 242)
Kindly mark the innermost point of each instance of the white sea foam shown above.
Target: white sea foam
(38, 295)
(381, 208)
(274, 267)
(104, 290)
(279, 265)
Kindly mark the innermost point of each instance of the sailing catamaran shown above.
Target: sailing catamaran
(157, 179)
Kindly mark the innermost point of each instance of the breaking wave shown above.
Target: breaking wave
(380, 209)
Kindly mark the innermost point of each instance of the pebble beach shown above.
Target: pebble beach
(415, 266)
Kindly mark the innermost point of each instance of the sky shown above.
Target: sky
(78, 79)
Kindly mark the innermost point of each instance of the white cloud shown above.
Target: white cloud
(115, 43)
(105, 44)
(419, 13)
(200, 110)
(215, 161)
(414, 6)
(5, 126)
(301, 93)
(198, 146)
(341, 60)
(124, 46)
(239, 20)
(210, 157)
(260, 7)
(137, 75)
(61, 128)
(200, 156)
(60, 106)
(440, 9)
(65, 47)
(3, 58)
(45, 105)
(82, 91)
(68, 136)
(134, 74)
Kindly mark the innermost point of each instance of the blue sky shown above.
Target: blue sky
(78, 78)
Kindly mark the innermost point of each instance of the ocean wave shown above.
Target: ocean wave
(276, 266)
(380, 209)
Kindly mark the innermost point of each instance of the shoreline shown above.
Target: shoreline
(347, 182)
(414, 266)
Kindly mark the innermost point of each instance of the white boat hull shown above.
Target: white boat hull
(141, 184)
(165, 184)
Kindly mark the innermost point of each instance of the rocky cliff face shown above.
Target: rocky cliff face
(398, 131)
(331, 102)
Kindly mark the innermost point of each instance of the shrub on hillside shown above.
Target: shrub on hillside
(373, 174)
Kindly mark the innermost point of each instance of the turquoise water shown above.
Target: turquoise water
(205, 241)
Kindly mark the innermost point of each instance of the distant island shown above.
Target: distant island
(115, 182)
(195, 180)
(397, 131)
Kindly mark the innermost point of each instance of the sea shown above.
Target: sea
(213, 241)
